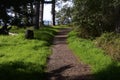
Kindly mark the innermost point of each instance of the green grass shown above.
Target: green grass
(16, 29)
(46, 34)
(22, 59)
(103, 67)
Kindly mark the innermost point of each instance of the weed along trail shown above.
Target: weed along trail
(62, 64)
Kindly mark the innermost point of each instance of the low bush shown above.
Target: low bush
(110, 42)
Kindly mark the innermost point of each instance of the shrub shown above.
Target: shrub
(110, 42)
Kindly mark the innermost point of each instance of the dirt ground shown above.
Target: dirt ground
(63, 64)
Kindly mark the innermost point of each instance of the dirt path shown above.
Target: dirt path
(62, 64)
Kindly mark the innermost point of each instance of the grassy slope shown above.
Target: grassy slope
(103, 67)
(22, 59)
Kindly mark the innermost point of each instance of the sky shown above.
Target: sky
(47, 12)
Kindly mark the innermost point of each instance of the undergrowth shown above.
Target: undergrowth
(103, 67)
(110, 42)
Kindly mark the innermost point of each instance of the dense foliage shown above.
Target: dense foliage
(15, 12)
(17, 6)
(64, 16)
(94, 17)
(110, 42)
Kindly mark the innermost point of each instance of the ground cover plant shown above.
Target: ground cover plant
(103, 66)
(22, 59)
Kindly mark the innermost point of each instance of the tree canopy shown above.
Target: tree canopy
(19, 12)
(15, 5)
(64, 16)
(94, 17)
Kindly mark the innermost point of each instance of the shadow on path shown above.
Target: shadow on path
(57, 75)
(62, 64)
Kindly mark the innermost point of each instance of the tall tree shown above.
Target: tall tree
(53, 11)
(41, 12)
(96, 16)
(36, 16)
(64, 16)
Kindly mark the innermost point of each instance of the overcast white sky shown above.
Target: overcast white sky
(47, 12)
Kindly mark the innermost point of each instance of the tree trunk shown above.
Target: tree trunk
(32, 11)
(36, 16)
(117, 19)
(41, 12)
(53, 12)
(4, 16)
